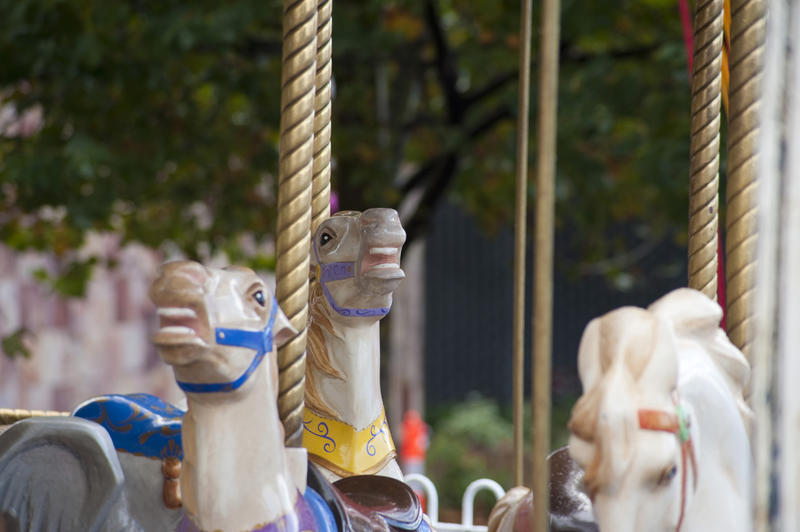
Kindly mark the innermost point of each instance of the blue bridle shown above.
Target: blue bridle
(337, 271)
(259, 341)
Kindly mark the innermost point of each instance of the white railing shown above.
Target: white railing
(467, 502)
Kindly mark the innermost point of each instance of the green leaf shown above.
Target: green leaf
(14, 345)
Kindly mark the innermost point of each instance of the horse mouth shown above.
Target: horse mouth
(179, 326)
(382, 262)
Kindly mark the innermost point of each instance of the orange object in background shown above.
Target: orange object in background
(414, 448)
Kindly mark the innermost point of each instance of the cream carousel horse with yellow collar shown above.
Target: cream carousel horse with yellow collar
(661, 429)
(355, 261)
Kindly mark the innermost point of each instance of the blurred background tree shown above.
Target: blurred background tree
(159, 120)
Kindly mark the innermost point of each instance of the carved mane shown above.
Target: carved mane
(693, 318)
(318, 356)
(620, 369)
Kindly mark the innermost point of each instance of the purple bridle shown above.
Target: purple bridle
(337, 271)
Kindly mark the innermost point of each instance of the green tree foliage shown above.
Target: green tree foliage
(160, 118)
(474, 439)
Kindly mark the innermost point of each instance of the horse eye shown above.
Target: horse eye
(259, 297)
(325, 238)
(668, 475)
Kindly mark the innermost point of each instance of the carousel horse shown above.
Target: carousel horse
(218, 330)
(661, 429)
(355, 267)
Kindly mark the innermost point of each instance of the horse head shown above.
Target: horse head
(355, 263)
(650, 379)
(215, 325)
(355, 267)
(628, 364)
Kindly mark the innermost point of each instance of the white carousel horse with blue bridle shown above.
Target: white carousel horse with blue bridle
(355, 267)
(661, 429)
(218, 330)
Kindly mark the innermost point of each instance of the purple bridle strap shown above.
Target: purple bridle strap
(338, 271)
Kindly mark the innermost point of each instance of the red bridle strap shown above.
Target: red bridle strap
(676, 424)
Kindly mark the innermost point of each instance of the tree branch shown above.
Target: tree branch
(445, 66)
(446, 164)
(490, 87)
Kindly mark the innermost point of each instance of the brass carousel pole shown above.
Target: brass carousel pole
(748, 39)
(12, 415)
(294, 202)
(321, 181)
(704, 159)
(543, 275)
(748, 34)
(521, 214)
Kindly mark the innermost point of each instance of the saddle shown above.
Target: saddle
(570, 506)
(140, 424)
(366, 503)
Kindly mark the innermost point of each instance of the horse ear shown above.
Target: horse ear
(282, 330)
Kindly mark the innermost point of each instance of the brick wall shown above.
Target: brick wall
(81, 347)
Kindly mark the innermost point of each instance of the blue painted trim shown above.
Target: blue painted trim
(140, 423)
(322, 513)
(260, 341)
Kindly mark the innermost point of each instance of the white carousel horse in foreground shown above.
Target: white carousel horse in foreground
(217, 331)
(661, 429)
(355, 261)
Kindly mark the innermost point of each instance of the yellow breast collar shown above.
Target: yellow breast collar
(344, 450)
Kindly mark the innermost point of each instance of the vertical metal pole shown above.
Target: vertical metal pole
(321, 181)
(704, 158)
(748, 33)
(543, 275)
(294, 202)
(745, 151)
(521, 214)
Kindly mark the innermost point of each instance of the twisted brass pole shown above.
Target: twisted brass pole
(294, 202)
(704, 158)
(321, 181)
(748, 34)
(11, 415)
(543, 275)
(521, 219)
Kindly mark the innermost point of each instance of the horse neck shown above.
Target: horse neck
(722, 449)
(355, 352)
(234, 474)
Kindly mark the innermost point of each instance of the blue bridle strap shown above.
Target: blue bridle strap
(259, 341)
(337, 271)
